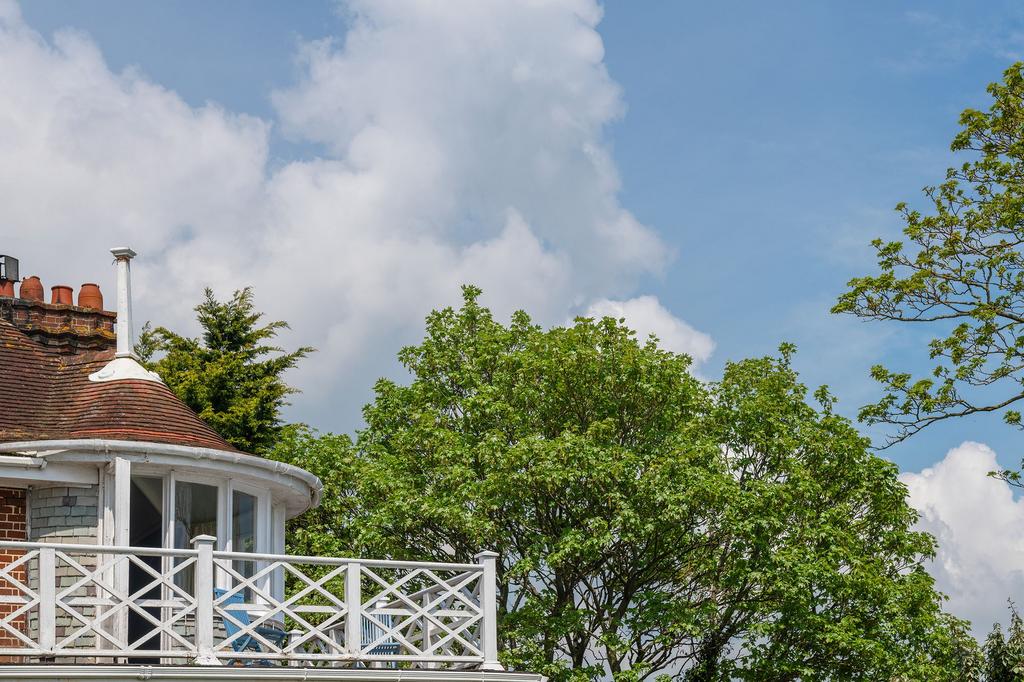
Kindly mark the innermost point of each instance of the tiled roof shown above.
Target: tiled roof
(48, 396)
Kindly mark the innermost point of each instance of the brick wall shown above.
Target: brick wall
(63, 328)
(12, 527)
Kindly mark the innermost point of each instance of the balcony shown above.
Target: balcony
(81, 605)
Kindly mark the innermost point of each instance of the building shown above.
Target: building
(136, 542)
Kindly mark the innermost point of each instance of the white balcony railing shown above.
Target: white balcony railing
(86, 603)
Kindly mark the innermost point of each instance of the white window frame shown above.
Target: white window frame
(264, 519)
(269, 538)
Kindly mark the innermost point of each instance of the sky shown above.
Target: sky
(712, 172)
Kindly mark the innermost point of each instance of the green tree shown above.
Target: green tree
(1015, 645)
(997, 667)
(330, 529)
(647, 523)
(959, 270)
(231, 375)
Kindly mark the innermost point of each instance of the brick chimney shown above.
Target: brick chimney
(62, 327)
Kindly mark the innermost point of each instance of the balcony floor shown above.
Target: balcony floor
(101, 673)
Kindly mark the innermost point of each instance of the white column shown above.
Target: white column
(354, 607)
(47, 598)
(125, 333)
(121, 538)
(204, 600)
(489, 606)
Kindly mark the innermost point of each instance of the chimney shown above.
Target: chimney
(60, 326)
(125, 364)
(61, 294)
(125, 334)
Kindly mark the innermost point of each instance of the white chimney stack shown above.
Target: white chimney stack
(125, 333)
(125, 364)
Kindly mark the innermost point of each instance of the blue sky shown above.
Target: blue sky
(758, 146)
(766, 143)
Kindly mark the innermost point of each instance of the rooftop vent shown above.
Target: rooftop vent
(8, 268)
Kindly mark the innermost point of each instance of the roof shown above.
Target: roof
(48, 396)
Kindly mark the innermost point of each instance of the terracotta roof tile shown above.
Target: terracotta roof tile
(48, 396)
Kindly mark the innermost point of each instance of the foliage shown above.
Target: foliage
(230, 376)
(1003, 657)
(647, 524)
(1015, 644)
(328, 529)
(961, 272)
(997, 666)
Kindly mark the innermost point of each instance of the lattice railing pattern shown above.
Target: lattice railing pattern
(103, 604)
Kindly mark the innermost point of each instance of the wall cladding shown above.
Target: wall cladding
(70, 515)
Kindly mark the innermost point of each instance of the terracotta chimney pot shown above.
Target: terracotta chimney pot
(90, 296)
(62, 294)
(31, 289)
(6, 288)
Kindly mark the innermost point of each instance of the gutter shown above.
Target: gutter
(22, 462)
(38, 450)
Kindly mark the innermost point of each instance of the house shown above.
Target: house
(135, 542)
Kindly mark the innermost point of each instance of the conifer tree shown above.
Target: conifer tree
(231, 375)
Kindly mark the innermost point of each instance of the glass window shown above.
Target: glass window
(243, 533)
(195, 513)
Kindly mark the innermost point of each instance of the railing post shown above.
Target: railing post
(354, 609)
(204, 600)
(489, 606)
(47, 599)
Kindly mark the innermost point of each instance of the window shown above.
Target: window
(170, 508)
(244, 509)
(195, 513)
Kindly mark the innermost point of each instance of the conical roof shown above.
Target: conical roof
(48, 396)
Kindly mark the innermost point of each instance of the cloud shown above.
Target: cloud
(977, 522)
(458, 142)
(646, 316)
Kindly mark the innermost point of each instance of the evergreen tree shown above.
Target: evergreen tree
(231, 375)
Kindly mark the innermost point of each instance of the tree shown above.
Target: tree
(647, 523)
(997, 667)
(961, 272)
(230, 376)
(1014, 651)
(331, 528)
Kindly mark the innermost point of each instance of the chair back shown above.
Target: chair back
(241, 615)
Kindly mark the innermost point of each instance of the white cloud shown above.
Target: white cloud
(646, 316)
(977, 523)
(462, 141)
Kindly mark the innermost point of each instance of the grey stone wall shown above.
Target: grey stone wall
(69, 515)
(64, 514)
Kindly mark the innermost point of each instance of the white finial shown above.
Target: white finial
(125, 364)
(125, 334)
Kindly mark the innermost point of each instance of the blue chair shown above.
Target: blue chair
(247, 642)
(373, 632)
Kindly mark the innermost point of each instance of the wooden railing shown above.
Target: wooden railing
(86, 603)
